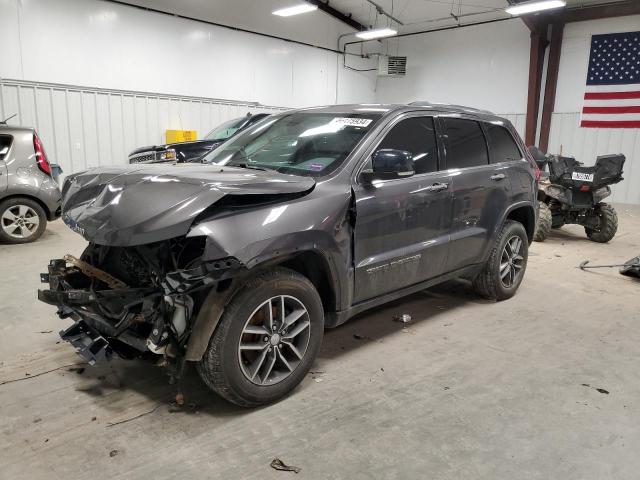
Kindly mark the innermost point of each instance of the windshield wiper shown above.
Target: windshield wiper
(252, 167)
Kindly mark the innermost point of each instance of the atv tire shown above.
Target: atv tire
(490, 282)
(543, 226)
(249, 360)
(608, 224)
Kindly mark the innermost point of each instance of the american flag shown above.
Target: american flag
(612, 97)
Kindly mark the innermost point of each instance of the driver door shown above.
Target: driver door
(403, 225)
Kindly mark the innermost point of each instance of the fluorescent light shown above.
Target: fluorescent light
(295, 10)
(529, 7)
(377, 33)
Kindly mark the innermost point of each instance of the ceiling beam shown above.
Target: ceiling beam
(337, 14)
(597, 12)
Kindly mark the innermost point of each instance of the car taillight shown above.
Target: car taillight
(41, 157)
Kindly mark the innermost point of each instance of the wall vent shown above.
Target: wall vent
(392, 66)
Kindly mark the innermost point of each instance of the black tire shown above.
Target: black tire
(543, 225)
(608, 224)
(13, 206)
(220, 367)
(489, 283)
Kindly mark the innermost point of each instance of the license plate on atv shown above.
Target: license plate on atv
(584, 177)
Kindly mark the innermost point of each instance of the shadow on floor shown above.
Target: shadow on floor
(153, 382)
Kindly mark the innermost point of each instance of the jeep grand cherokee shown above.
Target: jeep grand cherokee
(299, 223)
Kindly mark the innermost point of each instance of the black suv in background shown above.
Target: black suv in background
(193, 151)
(292, 226)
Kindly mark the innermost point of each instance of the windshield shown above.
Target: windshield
(308, 144)
(226, 130)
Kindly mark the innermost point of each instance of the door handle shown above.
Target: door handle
(437, 187)
(498, 177)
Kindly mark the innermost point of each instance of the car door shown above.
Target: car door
(505, 151)
(480, 190)
(402, 225)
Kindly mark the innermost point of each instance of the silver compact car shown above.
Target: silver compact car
(29, 195)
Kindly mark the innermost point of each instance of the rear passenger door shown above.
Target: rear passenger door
(402, 225)
(481, 190)
(505, 151)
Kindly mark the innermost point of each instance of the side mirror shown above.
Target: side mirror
(387, 164)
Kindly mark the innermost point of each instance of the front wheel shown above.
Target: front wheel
(504, 270)
(267, 339)
(607, 224)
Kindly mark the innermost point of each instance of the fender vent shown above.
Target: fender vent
(392, 66)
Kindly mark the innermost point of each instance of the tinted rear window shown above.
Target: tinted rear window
(5, 145)
(503, 146)
(466, 146)
(415, 135)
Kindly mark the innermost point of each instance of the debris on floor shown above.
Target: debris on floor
(78, 370)
(601, 390)
(630, 268)
(278, 464)
(402, 318)
(113, 453)
(357, 336)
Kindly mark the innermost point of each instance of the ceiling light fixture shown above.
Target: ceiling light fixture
(295, 10)
(537, 6)
(377, 33)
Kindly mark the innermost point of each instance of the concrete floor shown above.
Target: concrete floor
(470, 389)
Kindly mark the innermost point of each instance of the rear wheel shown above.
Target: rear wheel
(607, 224)
(543, 226)
(504, 270)
(266, 341)
(22, 220)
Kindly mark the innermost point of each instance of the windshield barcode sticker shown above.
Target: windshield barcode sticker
(585, 177)
(351, 122)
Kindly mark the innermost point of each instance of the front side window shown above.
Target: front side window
(466, 146)
(302, 143)
(503, 146)
(416, 135)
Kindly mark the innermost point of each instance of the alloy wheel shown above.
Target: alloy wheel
(274, 340)
(511, 261)
(20, 221)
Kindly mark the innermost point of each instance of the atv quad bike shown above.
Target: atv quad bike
(570, 193)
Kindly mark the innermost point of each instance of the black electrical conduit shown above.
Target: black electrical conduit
(237, 29)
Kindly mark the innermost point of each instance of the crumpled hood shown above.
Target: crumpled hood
(138, 204)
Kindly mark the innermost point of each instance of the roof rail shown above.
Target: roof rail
(448, 106)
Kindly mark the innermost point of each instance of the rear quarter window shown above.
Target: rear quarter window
(502, 146)
(5, 145)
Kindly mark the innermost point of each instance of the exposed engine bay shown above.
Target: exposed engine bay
(135, 302)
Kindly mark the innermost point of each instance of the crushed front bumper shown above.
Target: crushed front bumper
(89, 344)
(102, 319)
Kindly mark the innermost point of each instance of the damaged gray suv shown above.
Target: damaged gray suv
(295, 225)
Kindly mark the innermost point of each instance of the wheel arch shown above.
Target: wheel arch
(47, 212)
(524, 214)
(312, 264)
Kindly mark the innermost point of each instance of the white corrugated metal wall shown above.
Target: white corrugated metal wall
(86, 127)
(585, 144)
